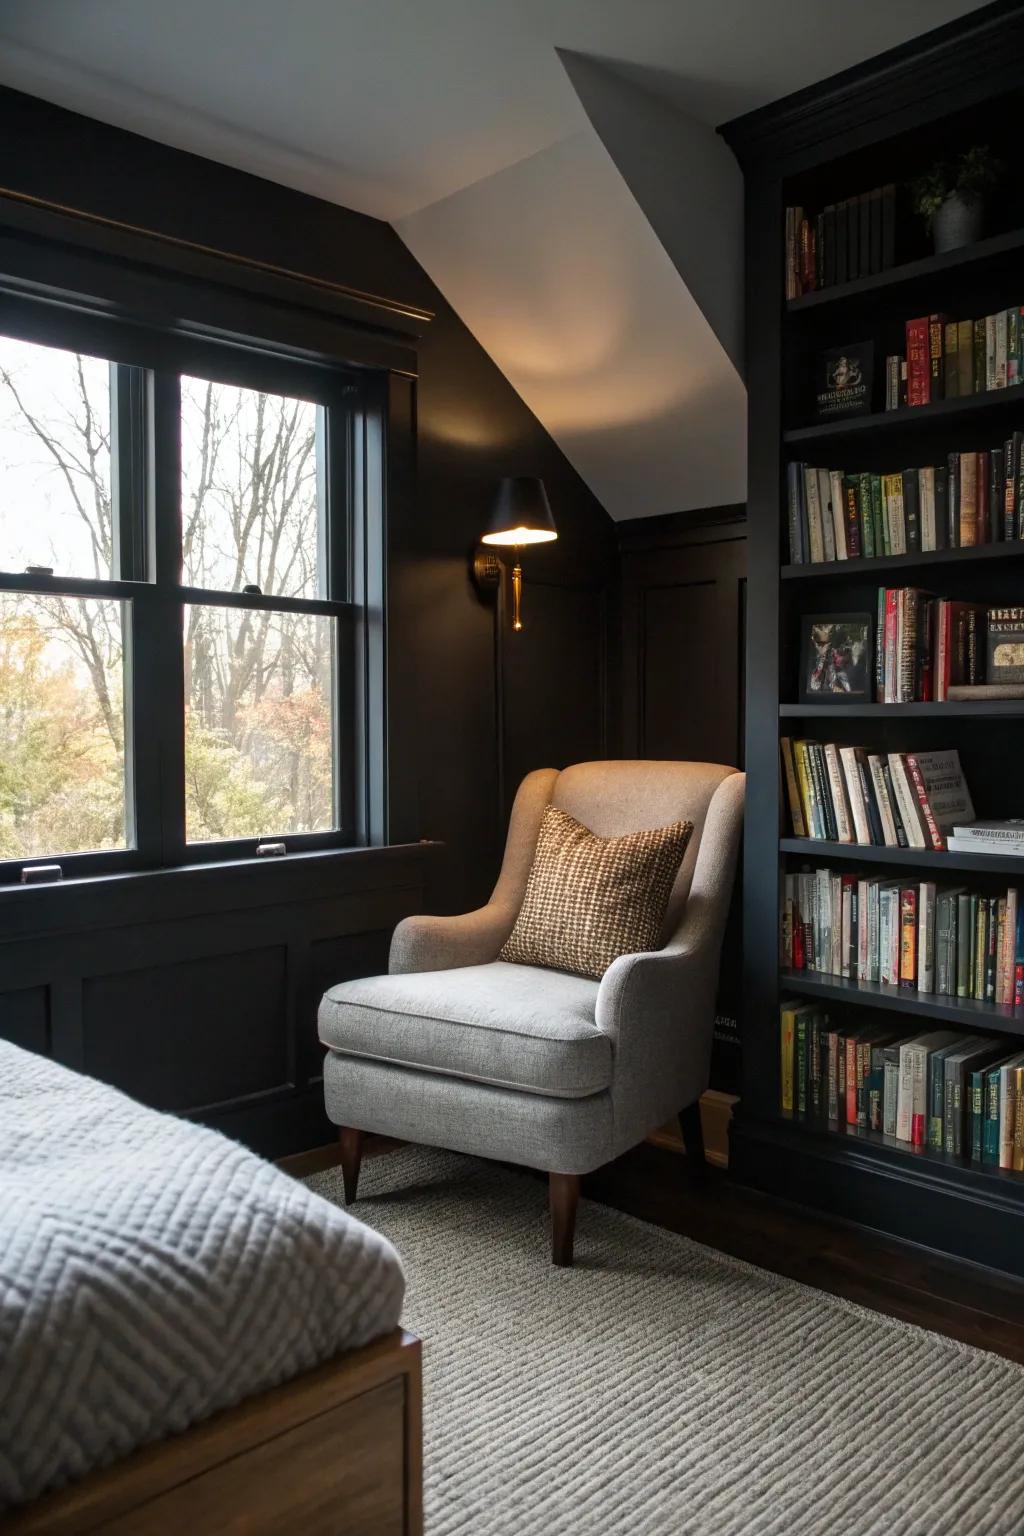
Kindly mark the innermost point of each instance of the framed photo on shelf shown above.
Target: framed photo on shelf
(836, 656)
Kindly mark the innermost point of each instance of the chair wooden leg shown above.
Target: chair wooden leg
(563, 1194)
(351, 1157)
(693, 1140)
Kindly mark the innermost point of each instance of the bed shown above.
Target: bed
(186, 1333)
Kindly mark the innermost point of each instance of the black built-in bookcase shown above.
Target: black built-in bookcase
(881, 122)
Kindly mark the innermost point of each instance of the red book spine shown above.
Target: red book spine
(1018, 984)
(918, 363)
(917, 779)
(851, 1081)
(891, 661)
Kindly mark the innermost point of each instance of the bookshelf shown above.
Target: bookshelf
(884, 121)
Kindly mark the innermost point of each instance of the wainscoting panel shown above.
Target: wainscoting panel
(683, 612)
(211, 1016)
(25, 1018)
(191, 1035)
(553, 681)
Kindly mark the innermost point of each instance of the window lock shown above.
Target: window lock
(271, 850)
(41, 874)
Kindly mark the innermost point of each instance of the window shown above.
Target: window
(174, 499)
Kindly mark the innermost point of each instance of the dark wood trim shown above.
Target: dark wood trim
(362, 1415)
(677, 529)
(976, 55)
(930, 1205)
(41, 219)
(196, 890)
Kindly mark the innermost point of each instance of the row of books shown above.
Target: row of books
(842, 794)
(925, 645)
(939, 1090)
(945, 940)
(853, 238)
(949, 359)
(974, 498)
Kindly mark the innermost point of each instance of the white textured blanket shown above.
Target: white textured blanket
(151, 1272)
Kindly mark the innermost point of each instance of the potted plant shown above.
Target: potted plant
(952, 196)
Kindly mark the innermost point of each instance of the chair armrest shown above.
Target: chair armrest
(655, 989)
(445, 943)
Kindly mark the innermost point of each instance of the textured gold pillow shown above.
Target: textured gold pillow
(590, 899)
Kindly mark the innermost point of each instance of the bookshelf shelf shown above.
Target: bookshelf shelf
(979, 554)
(911, 271)
(951, 709)
(831, 1138)
(869, 853)
(880, 124)
(922, 1005)
(994, 402)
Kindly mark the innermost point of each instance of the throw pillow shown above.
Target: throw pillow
(589, 899)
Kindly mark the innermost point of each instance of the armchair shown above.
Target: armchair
(456, 1048)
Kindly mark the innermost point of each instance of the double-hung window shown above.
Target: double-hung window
(176, 624)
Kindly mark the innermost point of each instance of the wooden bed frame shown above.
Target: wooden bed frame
(335, 1452)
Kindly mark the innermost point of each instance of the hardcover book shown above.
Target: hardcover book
(846, 380)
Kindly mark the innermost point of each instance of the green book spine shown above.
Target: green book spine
(951, 1110)
(878, 517)
(801, 1064)
(936, 1100)
(867, 516)
(964, 936)
(990, 1133)
(977, 1104)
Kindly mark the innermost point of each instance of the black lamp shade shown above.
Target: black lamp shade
(521, 514)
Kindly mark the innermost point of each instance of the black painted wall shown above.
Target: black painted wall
(196, 990)
(683, 616)
(472, 428)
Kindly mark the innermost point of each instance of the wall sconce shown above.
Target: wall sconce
(520, 515)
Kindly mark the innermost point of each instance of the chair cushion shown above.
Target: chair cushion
(589, 899)
(509, 1025)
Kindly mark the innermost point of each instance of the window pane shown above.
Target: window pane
(54, 460)
(258, 729)
(62, 784)
(249, 490)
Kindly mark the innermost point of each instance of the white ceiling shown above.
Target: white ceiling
(388, 105)
(561, 209)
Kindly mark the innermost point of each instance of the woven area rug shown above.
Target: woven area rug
(663, 1389)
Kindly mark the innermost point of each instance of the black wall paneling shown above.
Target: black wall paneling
(552, 677)
(682, 615)
(161, 980)
(883, 121)
(201, 998)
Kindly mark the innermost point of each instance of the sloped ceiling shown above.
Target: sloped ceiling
(577, 211)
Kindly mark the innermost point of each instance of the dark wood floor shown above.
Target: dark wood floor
(963, 1301)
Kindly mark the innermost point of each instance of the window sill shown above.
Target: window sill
(207, 888)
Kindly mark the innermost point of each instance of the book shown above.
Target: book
(918, 361)
(845, 380)
(1005, 646)
(941, 789)
(792, 789)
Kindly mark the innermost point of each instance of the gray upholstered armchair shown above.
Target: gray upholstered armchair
(458, 1049)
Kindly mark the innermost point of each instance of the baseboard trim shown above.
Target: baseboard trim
(715, 1118)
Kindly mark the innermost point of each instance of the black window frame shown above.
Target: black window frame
(146, 365)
